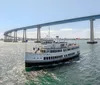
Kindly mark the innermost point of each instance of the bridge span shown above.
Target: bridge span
(9, 38)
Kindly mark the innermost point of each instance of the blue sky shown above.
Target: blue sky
(19, 13)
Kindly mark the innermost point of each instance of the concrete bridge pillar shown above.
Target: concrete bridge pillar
(38, 34)
(10, 37)
(92, 41)
(5, 38)
(15, 36)
(24, 35)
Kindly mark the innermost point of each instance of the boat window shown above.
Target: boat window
(64, 49)
(60, 56)
(53, 51)
(47, 51)
(62, 45)
(50, 51)
(43, 51)
(71, 54)
(76, 47)
(68, 49)
(46, 58)
(33, 48)
(72, 48)
(59, 50)
(53, 57)
(65, 55)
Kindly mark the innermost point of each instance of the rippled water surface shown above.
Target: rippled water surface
(85, 71)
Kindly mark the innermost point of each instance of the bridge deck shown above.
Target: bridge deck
(56, 23)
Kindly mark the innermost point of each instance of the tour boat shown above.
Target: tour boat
(51, 52)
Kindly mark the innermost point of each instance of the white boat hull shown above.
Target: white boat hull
(33, 60)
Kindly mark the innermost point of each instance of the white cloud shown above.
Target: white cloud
(66, 29)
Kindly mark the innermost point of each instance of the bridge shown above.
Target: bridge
(9, 38)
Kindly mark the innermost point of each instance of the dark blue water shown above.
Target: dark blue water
(85, 71)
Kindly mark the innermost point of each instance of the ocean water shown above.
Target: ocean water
(84, 71)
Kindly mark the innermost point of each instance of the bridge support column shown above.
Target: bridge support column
(10, 37)
(15, 36)
(5, 38)
(92, 41)
(24, 35)
(38, 35)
